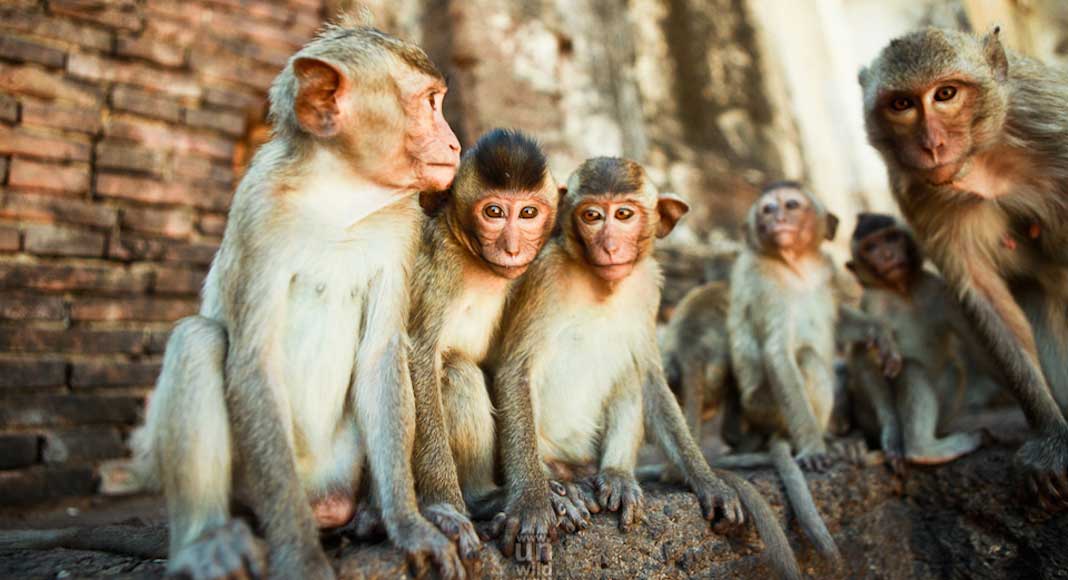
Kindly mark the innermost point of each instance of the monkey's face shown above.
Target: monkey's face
(886, 253)
(786, 220)
(613, 232)
(511, 229)
(930, 127)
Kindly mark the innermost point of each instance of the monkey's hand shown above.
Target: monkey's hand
(230, 551)
(422, 542)
(573, 503)
(889, 355)
(619, 491)
(457, 527)
(529, 527)
(720, 504)
(814, 457)
(1044, 461)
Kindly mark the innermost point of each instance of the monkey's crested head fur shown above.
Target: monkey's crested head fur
(507, 160)
(873, 223)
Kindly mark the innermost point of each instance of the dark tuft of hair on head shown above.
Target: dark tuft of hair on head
(507, 159)
(869, 223)
(782, 184)
(610, 175)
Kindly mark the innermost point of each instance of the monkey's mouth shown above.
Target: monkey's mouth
(613, 271)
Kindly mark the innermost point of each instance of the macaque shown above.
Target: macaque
(483, 237)
(918, 308)
(783, 311)
(577, 370)
(976, 142)
(294, 374)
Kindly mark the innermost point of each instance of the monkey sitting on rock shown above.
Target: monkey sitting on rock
(918, 308)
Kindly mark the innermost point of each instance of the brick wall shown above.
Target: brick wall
(124, 125)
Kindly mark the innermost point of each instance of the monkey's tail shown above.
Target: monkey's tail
(801, 499)
(139, 541)
(776, 547)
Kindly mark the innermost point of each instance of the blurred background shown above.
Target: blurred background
(125, 125)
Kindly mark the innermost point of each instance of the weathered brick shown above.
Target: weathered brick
(44, 483)
(74, 340)
(9, 239)
(94, 68)
(27, 174)
(63, 277)
(141, 309)
(27, 307)
(173, 223)
(155, 191)
(212, 224)
(48, 410)
(32, 373)
(224, 121)
(233, 25)
(56, 209)
(38, 82)
(61, 241)
(178, 281)
(117, 155)
(4, 162)
(243, 71)
(82, 445)
(200, 168)
(160, 51)
(113, 374)
(241, 99)
(9, 108)
(23, 50)
(194, 253)
(22, 142)
(130, 248)
(18, 450)
(124, 98)
(122, 14)
(57, 28)
(161, 136)
(157, 341)
(80, 119)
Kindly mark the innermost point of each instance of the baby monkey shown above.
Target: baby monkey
(925, 319)
(578, 367)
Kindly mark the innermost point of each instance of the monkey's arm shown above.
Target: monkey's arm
(787, 384)
(856, 326)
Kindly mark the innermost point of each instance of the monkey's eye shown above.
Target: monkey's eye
(768, 208)
(529, 212)
(493, 211)
(868, 248)
(901, 104)
(591, 215)
(624, 213)
(792, 204)
(945, 93)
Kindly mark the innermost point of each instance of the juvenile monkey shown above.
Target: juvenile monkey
(295, 371)
(782, 316)
(974, 140)
(918, 308)
(577, 367)
(486, 233)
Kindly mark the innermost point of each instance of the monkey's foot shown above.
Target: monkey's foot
(529, 527)
(818, 462)
(423, 543)
(1044, 461)
(853, 451)
(946, 449)
(457, 527)
(229, 551)
(571, 505)
(619, 491)
(720, 503)
(366, 523)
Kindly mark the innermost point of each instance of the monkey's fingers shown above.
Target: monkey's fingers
(571, 515)
(449, 565)
(418, 564)
(509, 536)
(580, 503)
(557, 487)
(492, 529)
(585, 493)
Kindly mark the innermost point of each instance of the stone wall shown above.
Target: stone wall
(123, 126)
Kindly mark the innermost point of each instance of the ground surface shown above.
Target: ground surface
(963, 520)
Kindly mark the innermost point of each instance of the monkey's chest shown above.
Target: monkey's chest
(472, 320)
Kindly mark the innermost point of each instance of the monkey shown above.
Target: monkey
(294, 373)
(973, 137)
(577, 368)
(783, 308)
(486, 232)
(919, 309)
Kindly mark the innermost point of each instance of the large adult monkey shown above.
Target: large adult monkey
(974, 139)
(486, 232)
(295, 372)
(919, 309)
(577, 367)
(784, 310)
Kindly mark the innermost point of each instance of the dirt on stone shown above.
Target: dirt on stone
(968, 519)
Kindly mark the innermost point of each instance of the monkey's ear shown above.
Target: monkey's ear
(851, 266)
(995, 54)
(862, 76)
(671, 208)
(320, 85)
(432, 202)
(832, 226)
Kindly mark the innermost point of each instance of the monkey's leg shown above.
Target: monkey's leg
(1049, 321)
(875, 389)
(693, 394)
(918, 405)
(185, 443)
(617, 488)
